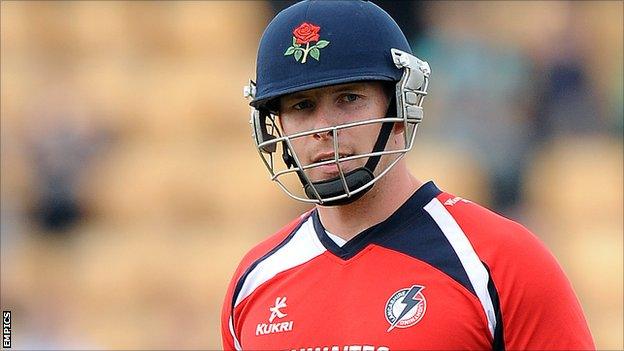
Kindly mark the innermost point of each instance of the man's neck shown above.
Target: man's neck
(386, 196)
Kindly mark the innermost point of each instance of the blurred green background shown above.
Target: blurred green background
(131, 188)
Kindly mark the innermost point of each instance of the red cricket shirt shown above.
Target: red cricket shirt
(441, 273)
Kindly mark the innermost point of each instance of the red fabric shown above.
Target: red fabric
(539, 307)
(255, 253)
(339, 312)
(335, 304)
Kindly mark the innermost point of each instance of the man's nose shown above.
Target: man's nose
(326, 117)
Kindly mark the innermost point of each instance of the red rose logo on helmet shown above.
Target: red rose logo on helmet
(305, 34)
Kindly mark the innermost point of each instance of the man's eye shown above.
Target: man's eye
(302, 105)
(349, 97)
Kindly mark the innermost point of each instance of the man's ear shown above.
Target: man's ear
(399, 128)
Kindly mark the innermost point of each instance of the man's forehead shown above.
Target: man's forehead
(354, 86)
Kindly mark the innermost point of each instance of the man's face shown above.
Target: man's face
(328, 107)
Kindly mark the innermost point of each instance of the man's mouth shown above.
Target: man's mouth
(331, 167)
(329, 156)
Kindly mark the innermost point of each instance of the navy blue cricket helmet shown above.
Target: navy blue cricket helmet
(317, 43)
(355, 36)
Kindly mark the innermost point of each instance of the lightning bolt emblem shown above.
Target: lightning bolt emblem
(410, 301)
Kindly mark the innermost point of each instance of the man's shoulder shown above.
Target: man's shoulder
(482, 225)
(493, 236)
(273, 242)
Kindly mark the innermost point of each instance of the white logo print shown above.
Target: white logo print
(276, 312)
(406, 307)
(280, 302)
(451, 202)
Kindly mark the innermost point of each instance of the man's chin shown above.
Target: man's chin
(330, 171)
(327, 174)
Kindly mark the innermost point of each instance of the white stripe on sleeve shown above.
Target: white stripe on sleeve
(473, 266)
(302, 247)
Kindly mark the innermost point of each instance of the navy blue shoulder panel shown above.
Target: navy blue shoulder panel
(409, 230)
(422, 239)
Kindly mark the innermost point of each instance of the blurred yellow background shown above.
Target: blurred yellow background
(131, 188)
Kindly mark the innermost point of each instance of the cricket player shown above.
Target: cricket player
(383, 261)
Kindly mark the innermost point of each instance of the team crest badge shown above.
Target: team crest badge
(305, 34)
(406, 307)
